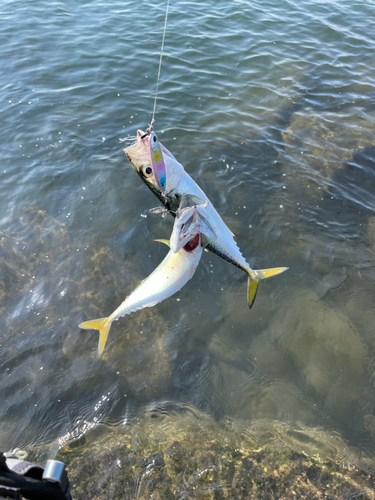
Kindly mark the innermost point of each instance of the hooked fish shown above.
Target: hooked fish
(178, 184)
(191, 219)
(168, 278)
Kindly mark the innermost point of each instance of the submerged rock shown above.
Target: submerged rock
(29, 243)
(371, 232)
(369, 423)
(54, 278)
(188, 455)
(320, 143)
(324, 344)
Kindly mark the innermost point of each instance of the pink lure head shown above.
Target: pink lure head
(157, 163)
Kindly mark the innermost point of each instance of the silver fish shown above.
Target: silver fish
(191, 219)
(178, 184)
(168, 278)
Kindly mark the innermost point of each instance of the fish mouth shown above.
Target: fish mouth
(129, 157)
(138, 153)
(193, 243)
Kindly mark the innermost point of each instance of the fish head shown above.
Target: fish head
(139, 156)
(190, 222)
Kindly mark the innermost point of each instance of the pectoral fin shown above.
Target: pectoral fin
(190, 200)
(166, 242)
(158, 210)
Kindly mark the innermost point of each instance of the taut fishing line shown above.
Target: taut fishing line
(151, 127)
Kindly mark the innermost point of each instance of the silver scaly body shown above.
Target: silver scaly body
(168, 278)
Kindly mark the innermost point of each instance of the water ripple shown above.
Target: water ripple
(270, 108)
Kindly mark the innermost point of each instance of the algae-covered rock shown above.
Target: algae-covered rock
(369, 422)
(324, 344)
(53, 278)
(282, 400)
(320, 143)
(185, 454)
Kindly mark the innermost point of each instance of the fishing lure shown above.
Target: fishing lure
(157, 163)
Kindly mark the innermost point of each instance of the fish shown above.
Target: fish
(178, 184)
(169, 277)
(191, 219)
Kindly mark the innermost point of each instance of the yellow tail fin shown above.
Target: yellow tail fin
(103, 327)
(252, 288)
(255, 277)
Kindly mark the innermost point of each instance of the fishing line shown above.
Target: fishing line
(130, 138)
(150, 128)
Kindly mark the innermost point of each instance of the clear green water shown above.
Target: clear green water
(270, 108)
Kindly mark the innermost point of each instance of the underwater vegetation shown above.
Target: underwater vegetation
(188, 455)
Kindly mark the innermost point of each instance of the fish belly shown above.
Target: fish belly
(168, 278)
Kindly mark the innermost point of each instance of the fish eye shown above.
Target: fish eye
(155, 138)
(148, 170)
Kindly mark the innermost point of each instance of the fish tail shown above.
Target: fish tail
(255, 277)
(101, 324)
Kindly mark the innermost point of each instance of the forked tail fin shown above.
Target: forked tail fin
(255, 277)
(103, 326)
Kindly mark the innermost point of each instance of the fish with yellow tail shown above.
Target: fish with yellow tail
(191, 219)
(178, 184)
(168, 278)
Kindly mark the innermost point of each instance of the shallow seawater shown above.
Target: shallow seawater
(270, 108)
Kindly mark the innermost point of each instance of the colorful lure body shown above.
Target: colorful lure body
(157, 163)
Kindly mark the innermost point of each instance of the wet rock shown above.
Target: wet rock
(175, 451)
(154, 461)
(194, 457)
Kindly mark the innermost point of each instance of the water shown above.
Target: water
(270, 108)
